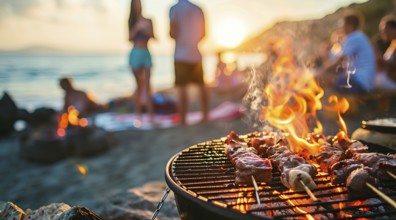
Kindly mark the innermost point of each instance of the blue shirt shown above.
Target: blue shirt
(360, 52)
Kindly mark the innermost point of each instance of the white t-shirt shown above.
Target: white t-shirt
(190, 30)
(359, 50)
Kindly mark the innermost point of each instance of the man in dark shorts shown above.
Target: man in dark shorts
(187, 27)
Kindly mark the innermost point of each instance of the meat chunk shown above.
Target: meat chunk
(340, 171)
(356, 183)
(247, 164)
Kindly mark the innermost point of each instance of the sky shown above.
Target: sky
(101, 25)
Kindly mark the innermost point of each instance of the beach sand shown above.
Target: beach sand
(138, 157)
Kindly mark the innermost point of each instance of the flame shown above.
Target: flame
(243, 202)
(81, 169)
(291, 203)
(70, 118)
(342, 205)
(340, 106)
(293, 98)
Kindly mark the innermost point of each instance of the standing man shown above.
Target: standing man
(187, 27)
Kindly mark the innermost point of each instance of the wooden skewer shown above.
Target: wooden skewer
(382, 195)
(256, 189)
(391, 174)
(307, 190)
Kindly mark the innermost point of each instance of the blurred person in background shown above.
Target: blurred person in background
(381, 42)
(187, 28)
(229, 80)
(357, 59)
(140, 61)
(389, 57)
(79, 99)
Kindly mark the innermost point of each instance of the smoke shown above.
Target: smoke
(254, 98)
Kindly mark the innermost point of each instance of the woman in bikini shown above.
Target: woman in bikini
(140, 32)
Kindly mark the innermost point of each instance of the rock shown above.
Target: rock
(50, 212)
(8, 114)
(10, 211)
(139, 203)
(79, 213)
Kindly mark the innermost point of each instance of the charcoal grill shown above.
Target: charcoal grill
(202, 179)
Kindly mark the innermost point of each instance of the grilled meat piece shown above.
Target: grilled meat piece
(356, 183)
(249, 166)
(340, 171)
(337, 151)
(380, 163)
(371, 159)
(356, 147)
(292, 167)
(247, 163)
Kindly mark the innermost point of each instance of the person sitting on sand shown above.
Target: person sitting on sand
(77, 98)
(381, 43)
(228, 80)
(390, 54)
(357, 59)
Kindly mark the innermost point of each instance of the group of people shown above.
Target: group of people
(365, 65)
(357, 65)
(187, 28)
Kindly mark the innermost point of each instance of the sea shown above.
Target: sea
(32, 79)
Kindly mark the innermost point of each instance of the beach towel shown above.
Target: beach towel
(112, 121)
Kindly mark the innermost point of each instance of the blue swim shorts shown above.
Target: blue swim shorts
(140, 58)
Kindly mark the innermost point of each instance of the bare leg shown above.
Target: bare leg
(139, 77)
(150, 106)
(183, 101)
(204, 102)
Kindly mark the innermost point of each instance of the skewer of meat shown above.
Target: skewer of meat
(336, 149)
(293, 168)
(361, 169)
(246, 161)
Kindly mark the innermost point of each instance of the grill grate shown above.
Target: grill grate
(204, 172)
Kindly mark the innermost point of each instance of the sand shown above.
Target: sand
(138, 157)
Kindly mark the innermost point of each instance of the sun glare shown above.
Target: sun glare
(229, 32)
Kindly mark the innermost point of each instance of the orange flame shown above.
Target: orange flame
(81, 169)
(243, 203)
(71, 117)
(296, 208)
(340, 106)
(293, 99)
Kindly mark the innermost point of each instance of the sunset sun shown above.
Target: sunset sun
(229, 32)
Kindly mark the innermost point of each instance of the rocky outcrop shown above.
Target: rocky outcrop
(11, 211)
(49, 212)
(79, 213)
(135, 204)
(319, 30)
(139, 204)
(54, 211)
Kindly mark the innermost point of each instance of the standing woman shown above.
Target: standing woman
(140, 32)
